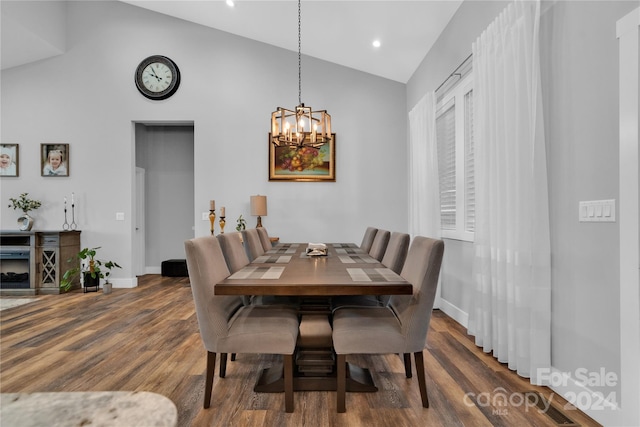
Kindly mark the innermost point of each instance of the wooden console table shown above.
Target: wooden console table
(42, 255)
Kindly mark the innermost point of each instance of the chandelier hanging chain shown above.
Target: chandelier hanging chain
(309, 128)
(299, 58)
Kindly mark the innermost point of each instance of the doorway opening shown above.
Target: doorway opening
(164, 197)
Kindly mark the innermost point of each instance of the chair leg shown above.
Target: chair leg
(288, 382)
(418, 356)
(407, 365)
(208, 385)
(223, 365)
(341, 382)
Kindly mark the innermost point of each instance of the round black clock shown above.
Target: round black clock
(157, 77)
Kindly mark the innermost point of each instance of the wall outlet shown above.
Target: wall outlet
(205, 216)
(119, 216)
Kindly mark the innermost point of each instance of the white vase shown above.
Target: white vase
(25, 222)
(106, 288)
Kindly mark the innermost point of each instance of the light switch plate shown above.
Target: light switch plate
(205, 216)
(119, 216)
(597, 211)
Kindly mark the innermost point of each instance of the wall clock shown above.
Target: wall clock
(157, 77)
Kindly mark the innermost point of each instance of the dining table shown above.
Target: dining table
(292, 270)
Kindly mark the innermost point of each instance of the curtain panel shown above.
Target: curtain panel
(511, 303)
(424, 190)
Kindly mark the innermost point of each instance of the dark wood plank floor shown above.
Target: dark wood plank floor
(147, 339)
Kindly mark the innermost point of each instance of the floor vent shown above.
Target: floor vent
(545, 406)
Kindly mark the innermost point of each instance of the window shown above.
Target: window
(454, 134)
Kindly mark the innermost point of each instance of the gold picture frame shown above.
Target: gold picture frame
(304, 164)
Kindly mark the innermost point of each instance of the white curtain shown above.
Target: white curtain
(511, 305)
(424, 190)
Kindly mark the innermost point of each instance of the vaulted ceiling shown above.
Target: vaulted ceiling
(337, 31)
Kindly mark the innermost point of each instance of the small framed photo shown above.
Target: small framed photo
(9, 161)
(54, 159)
(303, 163)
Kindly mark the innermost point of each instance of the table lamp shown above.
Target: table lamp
(259, 208)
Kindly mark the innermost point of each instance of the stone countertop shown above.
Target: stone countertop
(99, 408)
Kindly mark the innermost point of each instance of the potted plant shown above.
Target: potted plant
(242, 224)
(92, 269)
(25, 204)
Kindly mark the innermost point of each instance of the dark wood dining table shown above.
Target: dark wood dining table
(287, 270)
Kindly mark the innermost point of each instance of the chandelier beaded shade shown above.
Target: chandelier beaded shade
(301, 127)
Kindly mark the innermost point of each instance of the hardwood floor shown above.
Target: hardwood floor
(147, 339)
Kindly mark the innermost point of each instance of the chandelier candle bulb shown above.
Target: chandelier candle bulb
(222, 212)
(212, 205)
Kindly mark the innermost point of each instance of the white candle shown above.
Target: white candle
(65, 200)
(72, 198)
(222, 211)
(212, 205)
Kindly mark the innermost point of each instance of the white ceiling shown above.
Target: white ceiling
(337, 31)
(334, 30)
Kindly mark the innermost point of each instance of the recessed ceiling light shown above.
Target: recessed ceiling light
(230, 3)
(376, 43)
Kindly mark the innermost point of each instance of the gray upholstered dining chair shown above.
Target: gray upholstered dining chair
(264, 238)
(394, 257)
(236, 258)
(239, 256)
(233, 251)
(396, 253)
(379, 245)
(252, 243)
(228, 326)
(367, 239)
(401, 326)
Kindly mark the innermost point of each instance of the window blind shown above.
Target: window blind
(469, 172)
(446, 138)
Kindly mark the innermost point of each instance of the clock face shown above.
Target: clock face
(157, 77)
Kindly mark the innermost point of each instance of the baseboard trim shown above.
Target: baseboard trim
(130, 282)
(153, 270)
(454, 312)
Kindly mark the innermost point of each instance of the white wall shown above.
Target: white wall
(579, 56)
(230, 85)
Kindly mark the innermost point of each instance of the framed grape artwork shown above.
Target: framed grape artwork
(293, 163)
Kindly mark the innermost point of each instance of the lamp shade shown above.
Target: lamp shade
(259, 205)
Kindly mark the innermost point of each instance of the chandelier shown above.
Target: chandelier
(301, 127)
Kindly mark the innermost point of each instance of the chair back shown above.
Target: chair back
(207, 266)
(367, 239)
(379, 245)
(264, 238)
(396, 253)
(252, 243)
(422, 269)
(233, 250)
